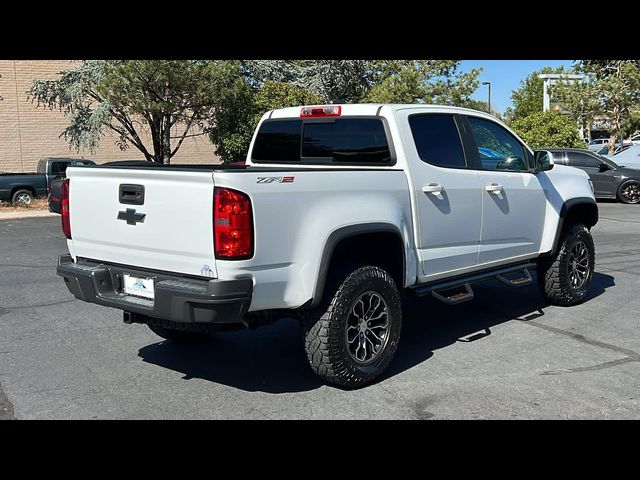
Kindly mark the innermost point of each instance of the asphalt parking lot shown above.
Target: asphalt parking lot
(503, 355)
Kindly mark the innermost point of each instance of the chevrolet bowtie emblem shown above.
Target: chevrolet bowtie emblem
(131, 216)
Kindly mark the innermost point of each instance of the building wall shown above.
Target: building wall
(29, 133)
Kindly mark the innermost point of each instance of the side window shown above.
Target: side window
(59, 168)
(497, 148)
(437, 140)
(577, 159)
(560, 158)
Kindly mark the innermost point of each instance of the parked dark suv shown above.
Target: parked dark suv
(610, 180)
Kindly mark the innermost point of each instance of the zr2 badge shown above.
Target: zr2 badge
(275, 179)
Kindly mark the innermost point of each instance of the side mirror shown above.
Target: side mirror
(604, 167)
(543, 160)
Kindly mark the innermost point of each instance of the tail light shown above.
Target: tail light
(64, 209)
(232, 225)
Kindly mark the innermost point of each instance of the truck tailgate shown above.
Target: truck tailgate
(175, 234)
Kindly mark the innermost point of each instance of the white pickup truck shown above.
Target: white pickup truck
(338, 209)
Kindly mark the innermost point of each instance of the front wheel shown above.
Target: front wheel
(22, 198)
(629, 192)
(357, 333)
(565, 279)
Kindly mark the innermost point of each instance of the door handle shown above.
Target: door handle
(434, 188)
(494, 188)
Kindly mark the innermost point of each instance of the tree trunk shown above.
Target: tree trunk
(166, 141)
(156, 137)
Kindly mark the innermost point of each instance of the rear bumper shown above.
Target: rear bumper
(178, 299)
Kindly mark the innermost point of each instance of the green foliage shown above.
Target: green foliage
(377, 81)
(239, 114)
(334, 81)
(422, 81)
(167, 97)
(611, 91)
(548, 130)
(476, 105)
(528, 98)
(631, 124)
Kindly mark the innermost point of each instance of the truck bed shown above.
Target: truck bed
(176, 234)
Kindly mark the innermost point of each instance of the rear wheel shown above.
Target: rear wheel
(357, 332)
(629, 192)
(565, 279)
(179, 335)
(22, 198)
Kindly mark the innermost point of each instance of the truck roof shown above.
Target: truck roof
(350, 109)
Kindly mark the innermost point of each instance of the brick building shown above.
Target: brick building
(28, 134)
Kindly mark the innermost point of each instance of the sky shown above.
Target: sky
(505, 76)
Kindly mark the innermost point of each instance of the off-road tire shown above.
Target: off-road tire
(326, 341)
(554, 273)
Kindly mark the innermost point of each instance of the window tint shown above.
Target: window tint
(345, 140)
(577, 159)
(351, 140)
(559, 158)
(59, 168)
(437, 140)
(278, 141)
(497, 148)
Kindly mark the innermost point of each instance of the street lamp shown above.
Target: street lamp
(489, 101)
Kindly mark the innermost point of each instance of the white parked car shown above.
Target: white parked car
(598, 143)
(635, 140)
(339, 209)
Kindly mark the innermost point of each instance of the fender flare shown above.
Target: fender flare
(341, 234)
(564, 212)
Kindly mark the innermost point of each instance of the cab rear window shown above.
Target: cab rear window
(343, 140)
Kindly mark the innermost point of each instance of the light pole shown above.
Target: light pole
(489, 101)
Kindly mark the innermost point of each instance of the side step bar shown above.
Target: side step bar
(449, 291)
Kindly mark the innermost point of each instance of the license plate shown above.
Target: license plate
(138, 286)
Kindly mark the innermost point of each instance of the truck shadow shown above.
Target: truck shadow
(272, 359)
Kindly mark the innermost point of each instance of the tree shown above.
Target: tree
(477, 105)
(528, 98)
(166, 97)
(548, 129)
(422, 81)
(333, 81)
(611, 91)
(631, 125)
(377, 81)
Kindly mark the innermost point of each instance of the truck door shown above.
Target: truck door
(513, 199)
(446, 193)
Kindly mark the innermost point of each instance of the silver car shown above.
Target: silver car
(598, 143)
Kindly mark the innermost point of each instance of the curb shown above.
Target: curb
(26, 214)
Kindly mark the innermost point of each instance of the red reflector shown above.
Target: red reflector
(232, 225)
(64, 210)
(326, 111)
